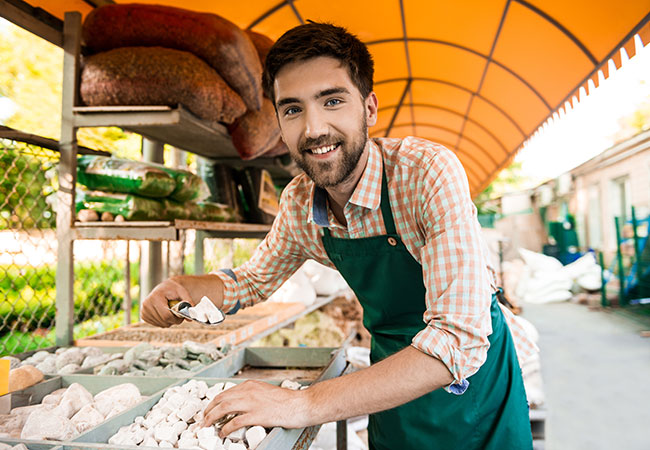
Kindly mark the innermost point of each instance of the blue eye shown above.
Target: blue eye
(291, 111)
(333, 102)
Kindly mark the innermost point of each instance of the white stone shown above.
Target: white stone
(187, 434)
(153, 419)
(226, 443)
(42, 424)
(229, 385)
(188, 443)
(204, 432)
(69, 369)
(236, 446)
(290, 384)
(176, 400)
(213, 391)
(179, 427)
(255, 435)
(77, 397)
(150, 442)
(87, 418)
(210, 443)
(117, 398)
(139, 420)
(19, 447)
(165, 433)
(237, 435)
(198, 417)
(191, 407)
(121, 438)
(165, 444)
(138, 435)
(202, 386)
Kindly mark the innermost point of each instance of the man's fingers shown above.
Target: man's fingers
(240, 421)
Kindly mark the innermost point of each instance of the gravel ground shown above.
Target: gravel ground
(596, 370)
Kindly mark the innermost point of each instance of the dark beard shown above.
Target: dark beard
(348, 163)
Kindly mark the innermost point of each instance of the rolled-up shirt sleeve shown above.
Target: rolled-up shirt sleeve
(454, 266)
(276, 258)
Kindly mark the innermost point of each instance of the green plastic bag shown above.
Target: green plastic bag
(188, 185)
(122, 175)
(215, 212)
(131, 207)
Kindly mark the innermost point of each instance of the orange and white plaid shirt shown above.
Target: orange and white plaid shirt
(436, 220)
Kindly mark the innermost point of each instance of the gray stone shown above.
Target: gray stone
(48, 366)
(94, 360)
(134, 353)
(72, 355)
(69, 369)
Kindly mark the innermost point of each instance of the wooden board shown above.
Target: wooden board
(251, 321)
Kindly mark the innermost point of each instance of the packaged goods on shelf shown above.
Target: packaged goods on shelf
(188, 185)
(131, 207)
(216, 212)
(120, 175)
(158, 76)
(217, 41)
(257, 194)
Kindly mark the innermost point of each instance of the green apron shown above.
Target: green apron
(491, 414)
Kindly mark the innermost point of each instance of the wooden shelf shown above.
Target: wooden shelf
(164, 231)
(174, 126)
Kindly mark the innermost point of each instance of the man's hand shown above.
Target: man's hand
(155, 308)
(258, 403)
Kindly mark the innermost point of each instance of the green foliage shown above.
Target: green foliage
(31, 73)
(25, 183)
(28, 299)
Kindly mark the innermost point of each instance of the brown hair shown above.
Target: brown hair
(320, 39)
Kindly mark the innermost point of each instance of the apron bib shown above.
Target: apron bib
(387, 280)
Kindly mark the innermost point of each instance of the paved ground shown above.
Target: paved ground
(596, 371)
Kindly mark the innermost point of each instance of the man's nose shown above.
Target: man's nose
(315, 125)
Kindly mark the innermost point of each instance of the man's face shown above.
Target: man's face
(324, 120)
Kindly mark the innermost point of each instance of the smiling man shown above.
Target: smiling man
(394, 216)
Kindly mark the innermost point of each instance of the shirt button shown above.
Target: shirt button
(392, 241)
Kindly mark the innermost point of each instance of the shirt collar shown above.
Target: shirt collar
(367, 194)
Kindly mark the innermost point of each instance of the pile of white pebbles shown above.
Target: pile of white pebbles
(68, 412)
(174, 422)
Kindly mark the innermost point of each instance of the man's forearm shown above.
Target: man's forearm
(396, 380)
(199, 285)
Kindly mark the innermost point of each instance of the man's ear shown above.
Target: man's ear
(371, 106)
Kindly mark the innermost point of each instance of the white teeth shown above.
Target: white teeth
(322, 150)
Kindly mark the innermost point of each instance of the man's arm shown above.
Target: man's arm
(187, 288)
(396, 380)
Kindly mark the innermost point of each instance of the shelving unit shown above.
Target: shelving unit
(159, 125)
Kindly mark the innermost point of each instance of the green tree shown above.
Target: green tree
(509, 179)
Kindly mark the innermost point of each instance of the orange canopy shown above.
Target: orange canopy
(479, 76)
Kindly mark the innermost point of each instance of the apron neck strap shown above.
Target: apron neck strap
(386, 212)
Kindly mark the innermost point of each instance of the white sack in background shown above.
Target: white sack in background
(298, 289)
(326, 281)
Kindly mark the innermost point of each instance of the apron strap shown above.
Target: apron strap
(386, 212)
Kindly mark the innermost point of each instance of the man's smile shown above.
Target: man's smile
(323, 150)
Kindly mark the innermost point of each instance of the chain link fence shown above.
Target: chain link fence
(28, 246)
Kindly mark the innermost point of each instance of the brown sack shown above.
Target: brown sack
(256, 131)
(24, 377)
(158, 76)
(216, 40)
(262, 44)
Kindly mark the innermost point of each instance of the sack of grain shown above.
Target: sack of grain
(261, 42)
(217, 41)
(158, 76)
(255, 132)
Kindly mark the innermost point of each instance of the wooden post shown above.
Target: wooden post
(67, 180)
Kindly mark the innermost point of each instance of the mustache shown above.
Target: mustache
(320, 141)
